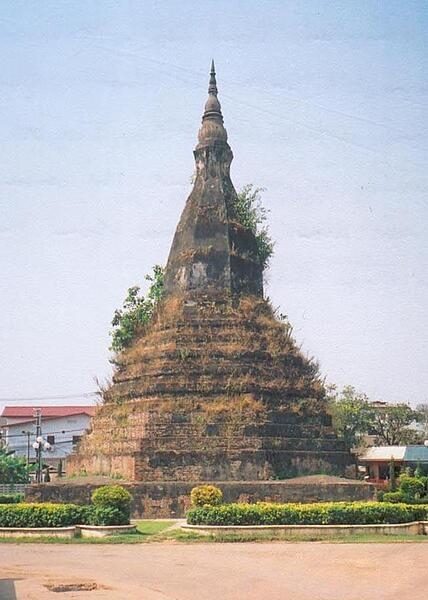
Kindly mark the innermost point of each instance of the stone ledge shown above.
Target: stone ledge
(413, 527)
(104, 530)
(67, 532)
(63, 532)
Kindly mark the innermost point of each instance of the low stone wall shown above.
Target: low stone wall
(155, 500)
(412, 528)
(59, 532)
(104, 530)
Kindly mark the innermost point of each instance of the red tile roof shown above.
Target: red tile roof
(47, 411)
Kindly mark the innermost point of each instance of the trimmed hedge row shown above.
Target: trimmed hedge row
(42, 515)
(11, 498)
(111, 506)
(59, 515)
(332, 513)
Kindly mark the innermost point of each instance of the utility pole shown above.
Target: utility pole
(39, 445)
(27, 433)
(38, 415)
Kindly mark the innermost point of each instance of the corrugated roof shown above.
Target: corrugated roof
(384, 453)
(47, 411)
(416, 454)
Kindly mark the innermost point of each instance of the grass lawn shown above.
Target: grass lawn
(162, 531)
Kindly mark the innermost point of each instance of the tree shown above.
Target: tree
(137, 310)
(352, 415)
(12, 469)
(252, 215)
(422, 418)
(391, 425)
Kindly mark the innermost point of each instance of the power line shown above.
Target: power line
(57, 397)
(16, 435)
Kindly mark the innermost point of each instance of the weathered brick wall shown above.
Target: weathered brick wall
(171, 499)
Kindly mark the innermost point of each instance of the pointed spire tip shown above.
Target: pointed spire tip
(212, 88)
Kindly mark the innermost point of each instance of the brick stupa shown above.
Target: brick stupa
(215, 387)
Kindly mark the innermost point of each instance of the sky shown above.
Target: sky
(325, 106)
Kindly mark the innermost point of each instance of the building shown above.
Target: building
(377, 460)
(62, 428)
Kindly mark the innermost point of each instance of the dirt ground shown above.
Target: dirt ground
(252, 571)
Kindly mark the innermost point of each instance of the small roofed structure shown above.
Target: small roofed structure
(377, 460)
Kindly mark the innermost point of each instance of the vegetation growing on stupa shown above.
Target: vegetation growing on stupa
(252, 215)
(137, 308)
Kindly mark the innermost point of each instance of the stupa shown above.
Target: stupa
(215, 387)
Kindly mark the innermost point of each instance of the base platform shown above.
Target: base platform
(171, 499)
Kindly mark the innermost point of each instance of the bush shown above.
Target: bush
(206, 495)
(332, 513)
(13, 469)
(111, 503)
(392, 497)
(11, 498)
(42, 515)
(412, 488)
(107, 515)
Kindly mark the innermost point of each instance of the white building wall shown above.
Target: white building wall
(62, 428)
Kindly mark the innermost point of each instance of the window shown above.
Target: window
(76, 439)
(50, 439)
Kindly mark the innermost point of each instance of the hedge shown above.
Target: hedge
(111, 506)
(42, 515)
(332, 513)
(11, 498)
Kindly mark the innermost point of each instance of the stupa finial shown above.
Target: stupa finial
(212, 88)
(212, 119)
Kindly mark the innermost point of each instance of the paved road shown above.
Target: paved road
(253, 571)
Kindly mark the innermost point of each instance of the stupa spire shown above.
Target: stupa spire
(211, 253)
(212, 120)
(212, 88)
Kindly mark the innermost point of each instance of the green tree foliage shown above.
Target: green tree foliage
(252, 215)
(12, 469)
(391, 425)
(352, 415)
(422, 418)
(137, 310)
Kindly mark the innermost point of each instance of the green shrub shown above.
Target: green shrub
(107, 515)
(412, 488)
(11, 498)
(392, 497)
(206, 495)
(13, 469)
(332, 513)
(111, 502)
(42, 515)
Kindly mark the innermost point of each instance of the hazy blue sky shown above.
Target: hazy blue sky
(325, 103)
